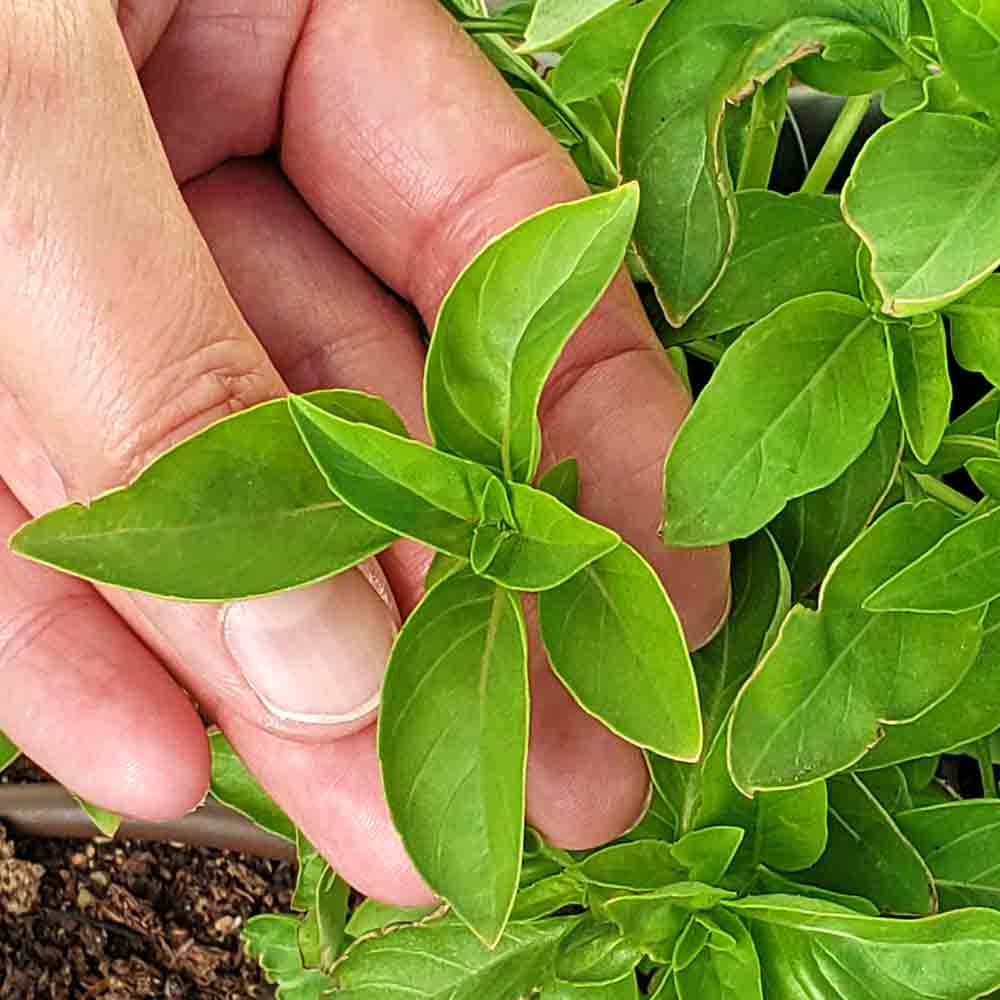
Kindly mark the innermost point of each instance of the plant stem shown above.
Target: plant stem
(766, 119)
(844, 128)
(707, 350)
(985, 757)
(933, 487)
(493, 26)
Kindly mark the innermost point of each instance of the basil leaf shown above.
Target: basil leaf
(371, 915)
(641, 865)
(975, 329)
(769, 882)
(442, 565)
(623, 989)
(969, 713)
(953, 576)
(233, 785)
(723, 972)
(944, 165)
(241, 500)
(107, 822)
(505, 321)
(641, 684)
(594, 953)
(956, 450)
(845, 664)
(969, 46)
(955, 956)
(8, 752)
(888, 786)
(562, 481)
(692, 941)
(555, 21)
(985, 473)
(868, 856)
(776, 233)
(959, 841)
(393, 481)
(273, 940)
(325, 895)
(453, 736)
(822, 354)
(919, 360)
(815, 528)
(981, 418)
(549, 545)
(548, 896)
(442, 960)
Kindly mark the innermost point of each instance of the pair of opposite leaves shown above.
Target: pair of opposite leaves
(245, 508)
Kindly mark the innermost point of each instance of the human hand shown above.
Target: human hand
(400, 153)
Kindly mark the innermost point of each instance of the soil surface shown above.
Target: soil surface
(125, 920)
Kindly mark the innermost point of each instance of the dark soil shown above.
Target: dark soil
(124, 920)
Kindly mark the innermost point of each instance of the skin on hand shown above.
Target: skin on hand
(170, 273)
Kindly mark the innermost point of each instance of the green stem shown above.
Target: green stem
(766, 119)
(707, 350)
(942, 492)
(493, 26)
(985, 757)
(844, 128)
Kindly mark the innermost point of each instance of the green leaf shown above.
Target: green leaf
(442, 565)
(954, 575)
(8, 752)
(595, 953)
(813, 383)
(888, 785)
(957, 449)
(242, 500)
(942, 170)
(985, 473)
(955, 956)
(556, 21)
(442, 960)
(919, 360)
(975, 329)
(960, 842)
(776, 234)
(323, 897)
(549, 544)
(453, 736)
(767, 881)
(273, 939)
(234, 786)
(638, 866)
(548, 896)
(853, 668)
(615, 642)
(982, 417)
(970, 712)
(562, 481)
(691, 942)
(868, 856)
(371, 915)
(433, 497)
(969, 46)
(723, 972)
(707, 854)
(815, 528)
(692, 64)
(623, 989)
(505, 321)
(107, 822)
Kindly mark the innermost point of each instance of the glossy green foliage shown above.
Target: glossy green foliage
(595, 953)
(954, 956)
(562, 481)
(8, 752)
(943, 167)
(855, 668)
(693, 61)
(371, 915)
(867, 855)
(453, 737)
(615, 642)
(242, 498)
(727, 967)
(107, 822)
(273, 940)
(968, 38)
(728, 474)
(554, 22)
(776, 234)
(623, 989)
(638, 866)
(975, 329)
(506, 320)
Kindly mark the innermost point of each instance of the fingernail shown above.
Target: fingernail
(316, 654)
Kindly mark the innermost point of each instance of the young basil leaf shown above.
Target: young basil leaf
(548, 117)
(107, 822)
(955, 451)
(666, 989)
(550, 545)
(234, 786)
(975, 329)
(8, 752)
(919, 360)
(505, 321)
(815, 528)
(453, 737)
(941, 163)
(969, 713)
(955, 575)
(775, 233)
(442, 565)
(562, 481)
(868, 856)
(273, 940)
(968, 39)
(706, 854)
(548, 896)
(954, 956)
(641, 684)
(443, 959)
(715, 972)
(323, 896)
(371, 915)
(242, 500)
(769, 882)
(694, 63)
(554, 22)
(311, 868)
(821, 354)
(888, 785)
(692, 941)
(985, 473)
(960, 842)
(394, 481)
(638, 866)
(623, 989)
(595, 953)
(859, 668)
